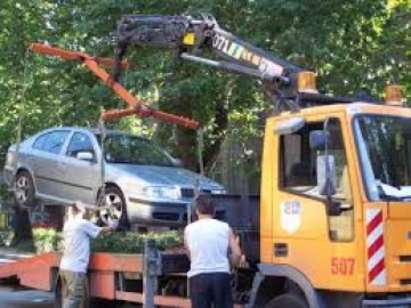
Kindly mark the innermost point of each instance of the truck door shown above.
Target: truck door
(306, 235)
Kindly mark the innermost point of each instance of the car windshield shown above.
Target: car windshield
(129, 149)
(385, 151)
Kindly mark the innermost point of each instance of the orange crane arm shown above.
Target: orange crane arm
(72, 55)
(136, 106)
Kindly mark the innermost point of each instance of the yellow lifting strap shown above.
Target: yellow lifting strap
(189, 39)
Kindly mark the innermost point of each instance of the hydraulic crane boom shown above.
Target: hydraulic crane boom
(192, 37)
(135, 105)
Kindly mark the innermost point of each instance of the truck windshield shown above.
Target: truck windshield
(129, 149)
(384, 144)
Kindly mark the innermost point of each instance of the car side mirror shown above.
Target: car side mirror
(85, 155)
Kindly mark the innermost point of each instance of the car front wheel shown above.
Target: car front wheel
(114, 208)
(24, 193)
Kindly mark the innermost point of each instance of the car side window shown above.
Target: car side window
(79, 143)
(51, 142)
(40, 141)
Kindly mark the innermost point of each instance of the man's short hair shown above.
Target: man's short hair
(205, 205)
(78, 206)
(74, 209)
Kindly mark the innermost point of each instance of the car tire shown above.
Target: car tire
(114, 197)
(24, 191)
(289, 300)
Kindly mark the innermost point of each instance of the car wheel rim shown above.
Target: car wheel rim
(113, 207)
(22, 189)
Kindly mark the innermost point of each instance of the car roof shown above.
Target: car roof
(94, 131)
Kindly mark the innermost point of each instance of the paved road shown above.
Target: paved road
(22, 298)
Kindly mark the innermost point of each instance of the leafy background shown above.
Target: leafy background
(350, 44)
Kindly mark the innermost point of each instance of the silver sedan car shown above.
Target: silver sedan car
(143, 183)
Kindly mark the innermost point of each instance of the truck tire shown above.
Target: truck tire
(24, 192)
(289, 300)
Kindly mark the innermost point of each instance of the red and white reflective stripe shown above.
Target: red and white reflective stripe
(375, 247)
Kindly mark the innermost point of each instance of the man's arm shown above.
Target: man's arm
(93, 230)
(107, 229)
(235, 255)
(111, 226)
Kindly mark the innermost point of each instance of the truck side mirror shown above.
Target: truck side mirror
(326, 179)
(318, 140)
(326, 168)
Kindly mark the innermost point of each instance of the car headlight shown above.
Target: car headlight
(221, 191)
(165, 192)
(9, 159)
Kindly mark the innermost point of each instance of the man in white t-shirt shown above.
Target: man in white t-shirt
(211, 244)
(77, 233)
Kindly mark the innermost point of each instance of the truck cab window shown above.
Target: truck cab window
(299, 173)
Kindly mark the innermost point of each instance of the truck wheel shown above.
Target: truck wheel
(289, 300)
(117, 207)
(24, 190)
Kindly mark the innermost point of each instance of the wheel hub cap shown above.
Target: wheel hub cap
(113, 206)
(22, 189)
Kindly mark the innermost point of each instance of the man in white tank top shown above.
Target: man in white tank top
(211, 244)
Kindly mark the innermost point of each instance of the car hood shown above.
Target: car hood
(162, 176)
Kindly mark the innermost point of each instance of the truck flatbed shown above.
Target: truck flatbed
(108, 275)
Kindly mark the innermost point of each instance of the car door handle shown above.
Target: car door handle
(62, 165)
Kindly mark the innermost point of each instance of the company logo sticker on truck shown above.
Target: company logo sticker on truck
(290, 216)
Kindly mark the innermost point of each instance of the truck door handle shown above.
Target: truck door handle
(280, 249)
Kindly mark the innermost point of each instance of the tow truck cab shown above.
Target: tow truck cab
(335, 208)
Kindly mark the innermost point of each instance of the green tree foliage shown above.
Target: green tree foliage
(350, 44)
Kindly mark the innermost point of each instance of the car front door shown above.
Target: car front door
(45, 159)
(81, 174)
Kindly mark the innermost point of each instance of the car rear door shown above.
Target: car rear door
(44, 160)
(81, 177)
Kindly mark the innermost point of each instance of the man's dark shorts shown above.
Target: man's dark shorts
(211, 290)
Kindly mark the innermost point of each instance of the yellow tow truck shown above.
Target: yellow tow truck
(334, 212)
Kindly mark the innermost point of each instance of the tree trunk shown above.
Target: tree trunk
(21, 224)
